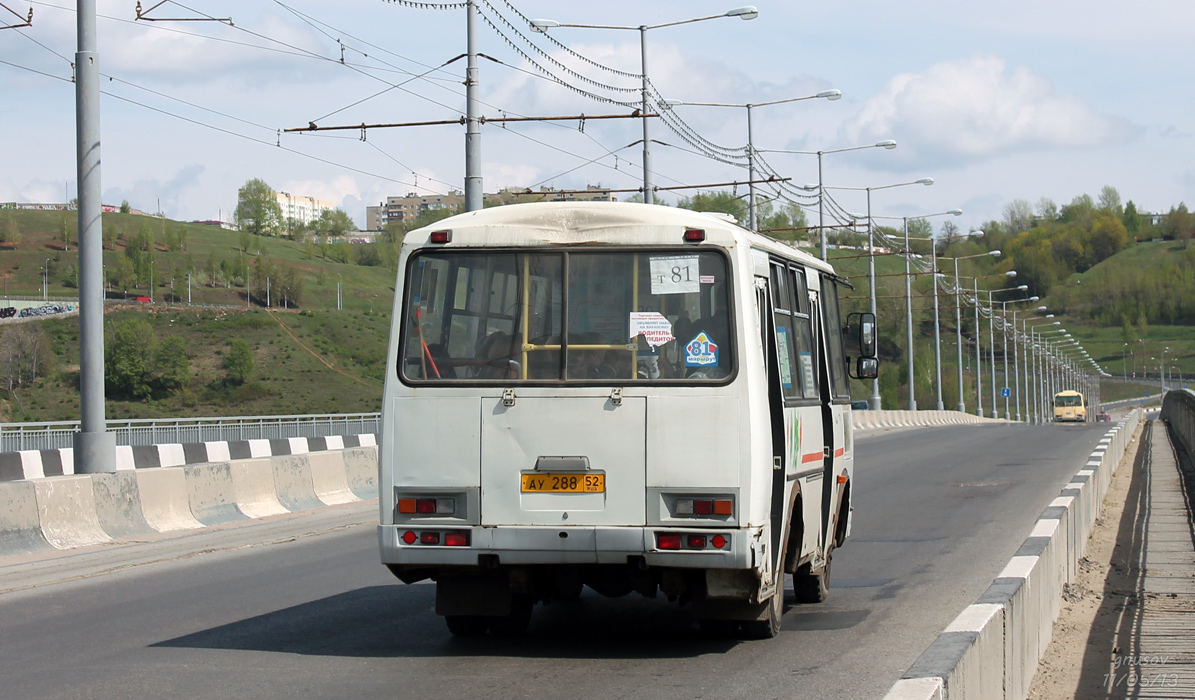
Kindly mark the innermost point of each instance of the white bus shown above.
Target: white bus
(627, 397)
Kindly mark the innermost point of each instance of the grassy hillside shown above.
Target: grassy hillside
(41, 240)
(313, 359)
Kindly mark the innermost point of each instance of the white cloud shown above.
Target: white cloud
(972, 109)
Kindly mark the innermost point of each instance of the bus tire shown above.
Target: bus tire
(768, 626)
(465, 625)
(813, 587)
(516, 622)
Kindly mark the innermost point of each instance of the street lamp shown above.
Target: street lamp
(751, 217)
(874, 401)
(992, 339)
(1039, 351)
(958, 321)
(821, 190)
(45, 286)
(1004, 333)
(543, 25)
(912, 404)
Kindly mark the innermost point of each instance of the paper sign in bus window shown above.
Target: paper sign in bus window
(786, 369)
(655, 328)
(680, 274)
(807, 366)
(701, 351)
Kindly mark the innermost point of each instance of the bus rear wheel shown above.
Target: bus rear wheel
(813, 587)
(768, 626)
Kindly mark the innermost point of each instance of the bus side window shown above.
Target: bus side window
(834, 348)
(782, 303)
(804, 334)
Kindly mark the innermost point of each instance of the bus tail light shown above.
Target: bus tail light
(456, 539)
(441, 237)
(704, 506)
(694, 235)
(451, 538)
(691, 541)
(427, 506)
(429, 538)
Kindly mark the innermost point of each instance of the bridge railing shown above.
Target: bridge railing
(15, 437)
(1178, 409)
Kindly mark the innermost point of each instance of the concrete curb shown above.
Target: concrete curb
(992, 649)
(63, 512)
(36, 464)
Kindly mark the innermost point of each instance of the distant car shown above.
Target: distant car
(144, 300)
(1103, 417)
(859, 406)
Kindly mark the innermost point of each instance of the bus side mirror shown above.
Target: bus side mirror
(860, 334)
(866, 368)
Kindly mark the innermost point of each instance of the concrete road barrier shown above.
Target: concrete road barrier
(118, 504)
(164, 499)
(67, 513)
(993, 648)
(292, 478)
(70, 511)
(361, 469)
(328, 478)
(868, 420)
(20, 525)
(211, 494)
(253, 483)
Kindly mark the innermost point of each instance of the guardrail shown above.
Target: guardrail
(56, 435)
(1178, 410)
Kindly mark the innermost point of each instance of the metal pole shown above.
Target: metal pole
(958, 335)
(94, 447)
(912, 403)
(992, 354)
(648, 197)
(978, 353)
(188, 289)
(875, 403)
(1004, 336)
(821, 226)
(751, 220)
(473, 191)
(1016, 367)
(933, 241)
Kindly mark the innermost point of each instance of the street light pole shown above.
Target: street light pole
(875, 402)
(473, 183)
(912, 403)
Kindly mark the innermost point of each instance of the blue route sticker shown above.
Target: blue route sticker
(701, 351)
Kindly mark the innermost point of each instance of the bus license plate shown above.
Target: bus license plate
(564, 483)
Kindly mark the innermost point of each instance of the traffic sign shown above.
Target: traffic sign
(1005, 392)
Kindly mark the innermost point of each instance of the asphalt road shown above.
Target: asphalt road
(300, 607)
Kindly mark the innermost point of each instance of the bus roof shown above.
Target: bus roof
(1068, 392)
(597, 223)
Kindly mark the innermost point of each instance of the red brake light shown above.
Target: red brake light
(697, 541)
(441, 237)
(694, 235)
(429, 538)
(703, 507)
(456, 539)
(664, 541)
(425, 505)
(409, 537)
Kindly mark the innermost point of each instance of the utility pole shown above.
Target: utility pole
(95, 447)
(473, 186)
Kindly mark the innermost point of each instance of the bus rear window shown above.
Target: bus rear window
(593, 317)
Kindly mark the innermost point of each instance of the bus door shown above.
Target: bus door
(835, 400)
(796, 419)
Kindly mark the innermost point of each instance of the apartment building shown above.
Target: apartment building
(405, 210)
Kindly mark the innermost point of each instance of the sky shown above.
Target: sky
(995, 101)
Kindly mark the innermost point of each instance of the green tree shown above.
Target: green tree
(1110, 200)
(212, 269)
(723, 202)
(66, 232)
(333, 222)
(238, 363)
(124, 207)
(1046, 209)
(258, 211)
(10, 232)
(129, 359)
(172, 366)
(1131, 219)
